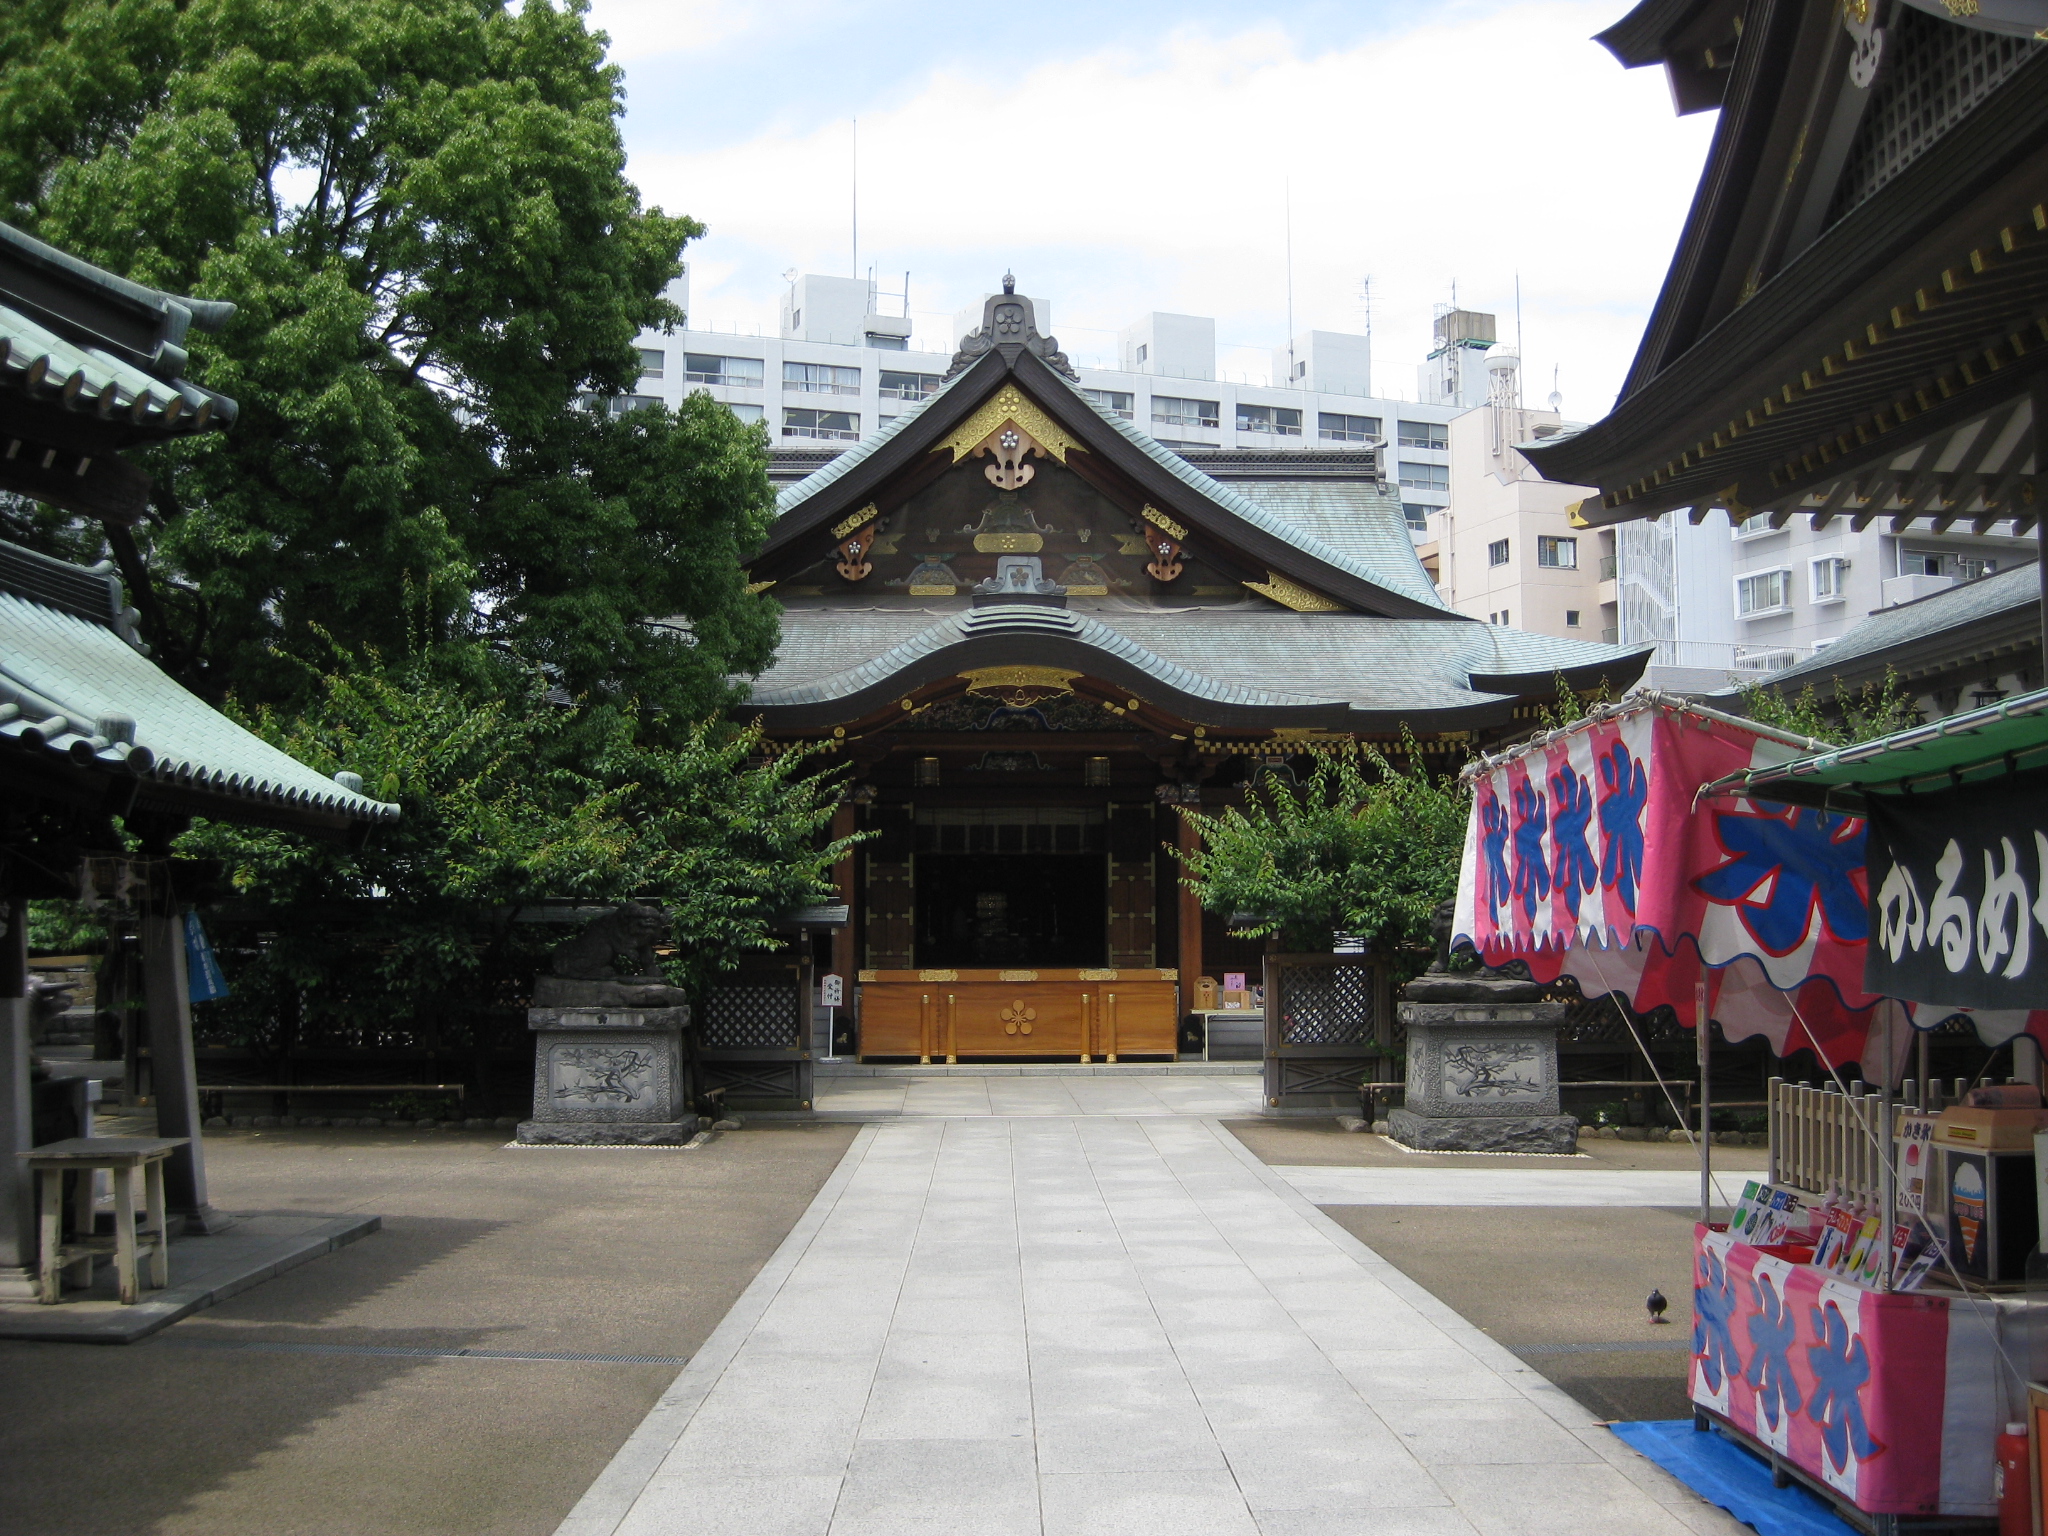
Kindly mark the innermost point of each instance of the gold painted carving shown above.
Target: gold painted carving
(1017, 976)
(1087, 975)
(989, 679)
(756, 588)
(933, 591)
(867, 976)
(867, 514)
(1017, 1018)
(1009, 543)
(938, 975)
(1011, 406)
(1289, 595)
(1306, 733)
(1159, 519)
(853, 548)
(1169, 973)
(1130, 544)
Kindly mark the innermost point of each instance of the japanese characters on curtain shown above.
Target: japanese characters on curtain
(1959, 894)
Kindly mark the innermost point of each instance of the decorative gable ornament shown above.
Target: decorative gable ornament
(1006, 322)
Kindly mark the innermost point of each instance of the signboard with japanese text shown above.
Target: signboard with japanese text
(1959, 894)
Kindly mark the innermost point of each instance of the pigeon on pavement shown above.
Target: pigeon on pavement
(1656, 1305)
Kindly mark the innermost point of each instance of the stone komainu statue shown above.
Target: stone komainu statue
(619, 946)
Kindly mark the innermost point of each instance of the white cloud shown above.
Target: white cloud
(1462, 150)
(642, 29)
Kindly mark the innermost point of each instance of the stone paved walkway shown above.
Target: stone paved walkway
(1133, 1092)
(1049, 1324)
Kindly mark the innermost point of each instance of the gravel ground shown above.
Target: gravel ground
(524, 1251)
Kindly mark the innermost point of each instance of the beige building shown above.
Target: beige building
(1505, 550)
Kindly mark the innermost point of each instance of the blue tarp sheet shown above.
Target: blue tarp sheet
(1725, 1474)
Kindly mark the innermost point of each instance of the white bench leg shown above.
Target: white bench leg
(124, 1234)
(159, 1255)
(50, 1278)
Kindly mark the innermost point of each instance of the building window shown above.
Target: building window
(1497, 552)
(1754, 524)
(1425, 477)
(1169, 411)
(733, 372)
(1116, 402)
(1144, 351)
(833, 426)
(1417, 515)
(820, 379)
(1765, 592)
(904, 386)
(1571, 618)
(1335, 428)
(1274, 420)
(1558, 554)
(618, 405)
(883, 343)
(1425, 434)
(746, 412)
(651, 363)
(1827, 578)
(1926, 562)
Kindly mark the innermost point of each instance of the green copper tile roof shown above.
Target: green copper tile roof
(74, 689)
(1355, 518)
(1248, 656)
(42, 364)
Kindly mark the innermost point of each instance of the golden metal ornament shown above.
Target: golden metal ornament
(1289, 594)
(938, 975)
(1159, 519)
(867, 514)
(1010, 406)
(990, 679)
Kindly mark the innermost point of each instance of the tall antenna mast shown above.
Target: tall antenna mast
(1287, 192)
(855, 177)
(1518, 313)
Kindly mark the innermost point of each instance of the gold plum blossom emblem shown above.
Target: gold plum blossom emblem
(1017, 1018)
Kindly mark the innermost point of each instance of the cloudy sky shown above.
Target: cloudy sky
(1143, 156)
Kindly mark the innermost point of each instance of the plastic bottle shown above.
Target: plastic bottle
(2011, 1484)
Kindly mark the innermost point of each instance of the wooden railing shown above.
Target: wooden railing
(1822, 1136)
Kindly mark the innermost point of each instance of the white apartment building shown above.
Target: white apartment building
(1733, 602)
(838, 369)
(1505, 548)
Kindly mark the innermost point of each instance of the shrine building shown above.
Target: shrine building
(1034, 632)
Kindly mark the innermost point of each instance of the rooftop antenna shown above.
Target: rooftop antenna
(855, 181)
(1556, 399)
(1518, 313)
(1365, 294)
(1287, 192)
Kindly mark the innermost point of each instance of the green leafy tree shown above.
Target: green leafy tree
(420, 208)
(1853, 714)
(1346, 852)
(489, 820)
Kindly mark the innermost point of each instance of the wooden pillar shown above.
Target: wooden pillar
(174, 1074)
(1190, 924)
(17, 1109)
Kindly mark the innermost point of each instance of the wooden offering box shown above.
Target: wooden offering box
(946, 1015)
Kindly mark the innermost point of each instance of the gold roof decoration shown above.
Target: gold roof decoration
(1160, 520)
(992, 679)
(1010, 406)
(857, 520)
(1289, 594)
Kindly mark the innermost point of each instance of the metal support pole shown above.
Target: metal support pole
(1887, 1164)
(1704, 1049)
(17, 1109)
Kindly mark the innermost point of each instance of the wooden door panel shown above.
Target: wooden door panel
(1136, 1019)
(1043, 1020)
(889, 1021)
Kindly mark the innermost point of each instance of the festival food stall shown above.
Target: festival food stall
(1648, 853)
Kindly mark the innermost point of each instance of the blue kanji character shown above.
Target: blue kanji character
(1806, 858)
(1772, 1329)
(1572, 798)
(1621, 822)
(1493, 816)
(1840, 1368)
(1713, 1308)
(1532, 871)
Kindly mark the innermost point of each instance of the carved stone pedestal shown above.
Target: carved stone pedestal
(607, 1070)
(1482, 1077)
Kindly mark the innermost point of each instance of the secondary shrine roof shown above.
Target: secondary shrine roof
(78, 698)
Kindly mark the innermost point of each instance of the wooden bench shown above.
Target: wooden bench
(123, 1157)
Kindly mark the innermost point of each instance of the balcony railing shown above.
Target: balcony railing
(818, 387)
(828, 434)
